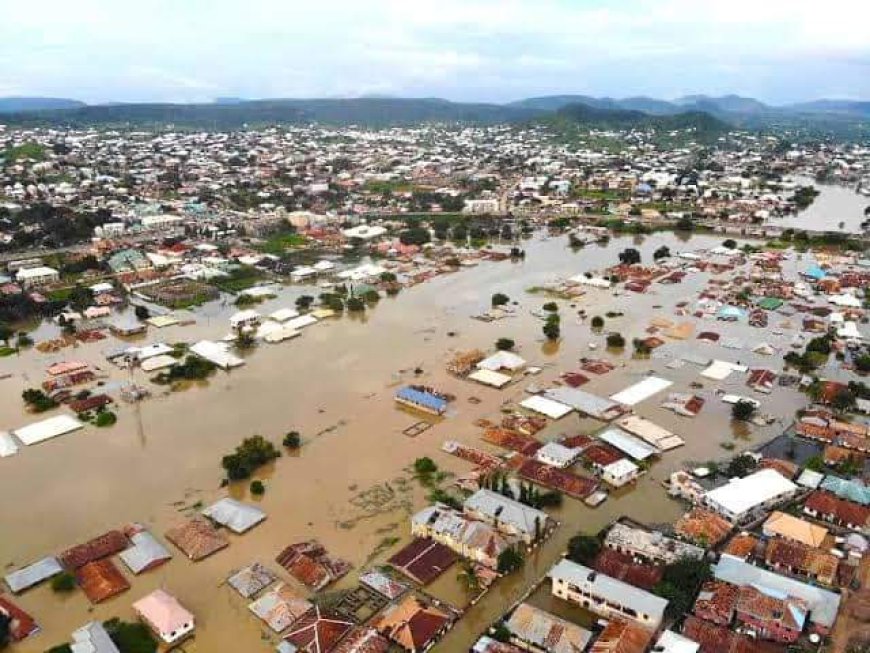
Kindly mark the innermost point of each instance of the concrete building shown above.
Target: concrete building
(508, 516)
(38, 276)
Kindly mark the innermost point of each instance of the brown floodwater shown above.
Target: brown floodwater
(834, 204)
(349, 486)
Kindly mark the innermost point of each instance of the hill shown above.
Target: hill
(706, 126)
(19, 104)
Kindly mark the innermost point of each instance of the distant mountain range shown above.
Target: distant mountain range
(706, 113)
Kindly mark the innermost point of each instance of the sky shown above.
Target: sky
(779, 51)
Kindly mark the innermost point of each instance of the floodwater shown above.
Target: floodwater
(349, 486)
(835, 203)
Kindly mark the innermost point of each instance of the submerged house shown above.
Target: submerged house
(165, 616)
(469, 538)
(423, 400)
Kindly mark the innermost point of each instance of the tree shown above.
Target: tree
(6, 332)
(583, 549)
(292, 440)
(843, 401)
(510, 560)
(141, 312)
(257, 488)
(425, 466)
(504, 344)
(615, 341)
(629, 256)
(740, 466)
(64, 582)
(80, 298)
(680, 583)
(551, 307)
(862, 363)
(388, 277)
(597, 322)
(551, 330)
(467, 578)
(304, 302)
(641, 348)
(662, 252)
(254, 452)
(500, 299)
(742, 411)
(355, 305)
(105, 418)
(415, 236)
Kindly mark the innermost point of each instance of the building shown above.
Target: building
(93, 638)
(619, 473)
(649, 546)
(39, 276)
(606, 596)
(535, 630)
(475, 540)
(743, 498)
(557, 455)
(508, 516)
(164, 222)
(770, 614)
(794, 528)
(413, 624)
(822, 604)
(478, 206)
(164, 615)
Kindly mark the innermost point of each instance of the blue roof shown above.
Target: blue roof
(422, 398)
(816, 272)
(730, 311)
(852, 490)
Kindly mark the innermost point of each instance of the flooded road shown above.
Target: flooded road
(835, 204)
(349, 486)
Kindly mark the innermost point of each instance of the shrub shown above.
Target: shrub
(105, 418)
(292, 440)
(582, 549)
(64, 582)
(597, 322)
(425, 466)
(504, 344)
(742, 411)
(304, 302)
(142, 313)
(551, 307)
(500, 299)
(257, 488)
(615, 341)
(254, 452)
(552, 331)
(355, 305)
(510, 560)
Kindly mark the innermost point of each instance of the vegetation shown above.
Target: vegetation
(105, 418)
(742, 411)
(597, 322)
(510, 560)
(551, 327)
(501, 633)
(439, 495)
(730, 243)
(582, 549)
(415, 236)
(292, 440)
(281, 241)
(355, 305)
(641, 348)
(254, 452)
(425, 467)
(500, 299)
(615, 341)
(142, 313)
(662, 252)
(37, 400)
(131, 637)
(551, 307)
(193, 368)
(680, 584)
(804, 196)
(740, 466)
(467, 578)
(629, 256)
(238, 279)
(64, 582)
(257, 488)
(5, 625)
(304, 302)
(504, 344)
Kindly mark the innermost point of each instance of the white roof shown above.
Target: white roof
(671, 642)
(47, 429)
(284, 314)
(158, 363)
(31, 273)
(216, 352)
(488, 377)
(7, 445)
(721, 370)
(235, 515)
(300, 322)
(627, 443)
(248, 315)
(845, 300)
(544, 406)
(651, 432)
(502, 360)
(642, 390)
(740, 495)
(620, 468)
(364, 232)
(146, 551)
(559, 453)
(150, 351)
(92, 638)
(508, 511)
(596, 282)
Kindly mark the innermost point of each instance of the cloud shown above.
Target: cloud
(102, 50)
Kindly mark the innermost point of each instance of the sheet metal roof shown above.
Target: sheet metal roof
(426, 399)
(145, 553)
(33, 574)
(628, 444)
(582, 401)
(237, 516)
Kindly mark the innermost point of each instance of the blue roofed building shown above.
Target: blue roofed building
(420, 399)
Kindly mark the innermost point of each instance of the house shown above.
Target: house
(280, 607)
(469, 538)
(742, 498)
(93, 638)
(316, 632)
(840, 512)
(620, 472)
(20, 624)
(508, 516)
(536, 630)
(606, 596)
(557, 455)
(703, 527)
(822, 604)
(38, 276)
(799, 559)
(165, 616)
(649, 546)
(770, 614)
(413, 624)
(421, 399)
(794, 528)
(620, 636)
(716, 602)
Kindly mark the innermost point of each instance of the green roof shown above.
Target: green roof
(770, 303)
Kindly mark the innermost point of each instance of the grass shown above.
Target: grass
(280, 242)
(6, 351)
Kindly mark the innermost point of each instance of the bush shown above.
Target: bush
(37, 400)
(582, 549)
(504, 344)
(500, 299)
(730, 243)
(742, 411)
(131, 637)
(105, 418)
(597, 322)
(425, 466)
(304, 302)
(292, 440)
(64, 582)
(615, 341)
(254, 452)
(662, 252)
(551, 307)
(510, 560)
(142, 313)
(356, 305)
(257, 488)
(552, 331)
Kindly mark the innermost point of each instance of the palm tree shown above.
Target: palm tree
(467, 577)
